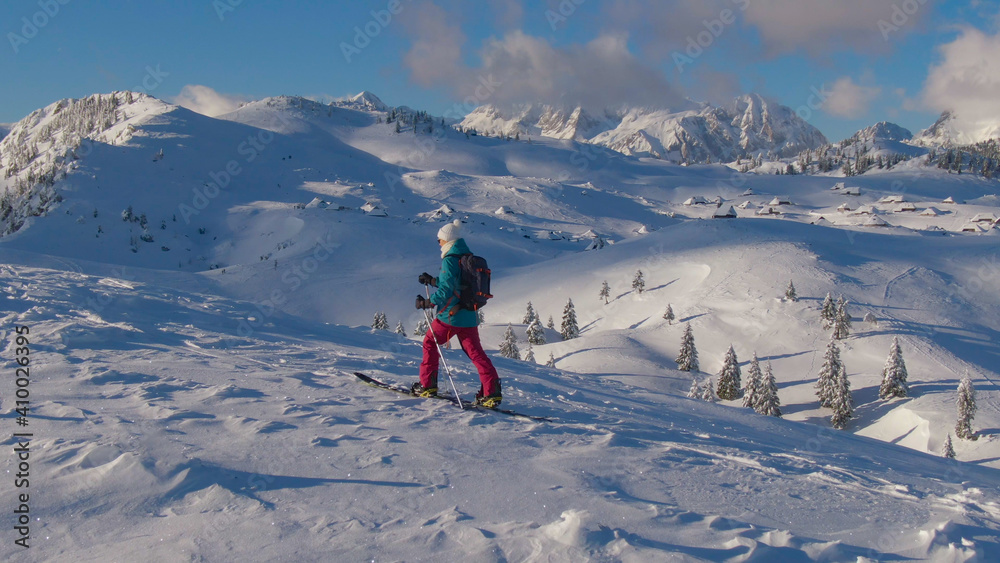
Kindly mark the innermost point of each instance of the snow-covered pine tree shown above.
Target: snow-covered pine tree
(751, 393)
(790, 292)
(687, 359)
(551, 325)
(536, 335)
(552, 361)
(894, 374)
(828, 312)
(966, 409)
(768, 403)
(949, 449)
(842, 401)
(708, 392)
(422, 328)
(400, 329)
(380, 322)
(668, 315)
(638, 283)
(828, 374)
(529, 315)
(529, 356)
(605, 292)
(480, 316)
(842, 323)
(695, 391)
(508, 347)
(730, 386)
(570, 329)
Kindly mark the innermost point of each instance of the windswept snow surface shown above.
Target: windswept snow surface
(191, 397)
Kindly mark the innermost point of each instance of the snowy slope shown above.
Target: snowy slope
(207, 385)
(160, 435)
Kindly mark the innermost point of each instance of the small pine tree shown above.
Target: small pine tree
(536, 335)
(708, 392)
(380, 322)
(755, 379)
(695, 391)
(730, 386)
(687, 359)
(842, 402)
(828, 374)
(508, 347)
(570, 329)
(949, 448)
(551, 325)
(400, 329)
(529, 315)
(605, 292)
(829, 311)
(966, 409)
(894, 374)
(552, 361)
(422, 328)
(668, 315)
(529, 356)
(480, 317)
(842, 323)
(638, 283)
(768, 403)
(871, 319)
(790, 292)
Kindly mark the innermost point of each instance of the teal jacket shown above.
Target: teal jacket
(448, 287)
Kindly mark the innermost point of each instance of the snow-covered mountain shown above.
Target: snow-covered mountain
(882, 131)
(750, 125)
(199, 291)
(951, 130)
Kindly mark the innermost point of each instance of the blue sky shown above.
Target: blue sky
(430, 54)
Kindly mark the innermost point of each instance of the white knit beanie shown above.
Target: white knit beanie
(450, 231)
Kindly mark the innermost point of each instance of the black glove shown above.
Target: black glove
(423, 303)
(427, 279)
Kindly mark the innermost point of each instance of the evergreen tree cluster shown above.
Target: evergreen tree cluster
(380, 322)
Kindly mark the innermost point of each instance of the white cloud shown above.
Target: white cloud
(966, 82)
(523, 68)
(207, 101)
(849, 99)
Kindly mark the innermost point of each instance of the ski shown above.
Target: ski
(371, 381)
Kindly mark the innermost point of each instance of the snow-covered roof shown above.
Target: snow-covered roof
(746, 205)
(948, 199)
(845, 207)
(766, 210)
(906, 207)
(317, 203)
(838, 186)
(865, 210)
(892, 199)
(983, 217)
(876, 221)
(930, 212)
(748, 192)
(373, 209)
(502, 210)
(695, 200)
(725, 213)
(821, 221)
(780, 201)
(972, 228)
(852, 191)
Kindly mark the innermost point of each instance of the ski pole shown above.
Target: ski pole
(441, 352)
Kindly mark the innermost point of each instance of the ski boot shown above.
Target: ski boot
(491, 402)
(421, 391)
